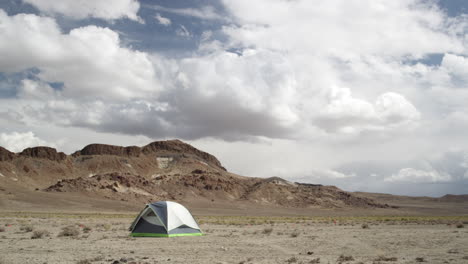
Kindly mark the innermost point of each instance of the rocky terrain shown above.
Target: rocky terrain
(162, 170)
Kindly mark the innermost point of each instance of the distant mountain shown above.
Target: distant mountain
(162, 170)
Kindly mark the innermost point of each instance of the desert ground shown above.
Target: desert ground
(104, 238)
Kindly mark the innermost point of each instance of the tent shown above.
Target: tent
(164, 219)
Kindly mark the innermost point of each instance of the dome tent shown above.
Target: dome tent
(164, 219)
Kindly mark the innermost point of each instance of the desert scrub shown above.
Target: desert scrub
(103, 227)
(69, 231)
(459, 225)
(365, 226)
(91, 260)
(382, 258)
(295, 233)
(2, 229)
(27, 228)
(87, 229)
(267, 231)
(40, 234)
(342, 258)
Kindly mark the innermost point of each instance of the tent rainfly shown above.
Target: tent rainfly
(164, 219)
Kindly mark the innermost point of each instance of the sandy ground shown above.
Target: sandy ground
(283, 240)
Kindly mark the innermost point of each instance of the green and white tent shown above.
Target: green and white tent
(165, 219)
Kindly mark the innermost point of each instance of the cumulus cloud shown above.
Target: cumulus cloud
(80, 9)
(347, 114)
(85, 68)
(17, 141)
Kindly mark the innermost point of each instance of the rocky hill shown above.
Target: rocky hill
(162, 170)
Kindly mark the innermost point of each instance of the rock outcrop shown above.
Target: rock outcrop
(6, 155)
(43, 153)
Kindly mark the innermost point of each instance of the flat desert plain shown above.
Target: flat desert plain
(104, 238)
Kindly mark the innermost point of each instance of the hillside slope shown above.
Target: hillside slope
(162, 170)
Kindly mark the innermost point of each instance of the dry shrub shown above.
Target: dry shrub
(27, 228)
(295, 234)
(459, 225)
(314, 261)
(342, 258)
(291, 260)
(2, 229)
(382, 258)
(365, 226)
(267, 231)
(87, 229)
(104, 227)
(69, 231)
(40, 234)
(84, 261)
(420, 259)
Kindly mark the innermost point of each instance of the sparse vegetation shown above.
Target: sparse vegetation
(87, 229)
(69, 231)
(104, 227)
(365, 226)
(342, 258)
(382, 258)
(91, 260)
(2, 229)
(267, 231)
(459, 225)
(314, 261)
(84, 261)
(40, 234)
(27, 228)
(420, 259)
(291, 260)
(295, 233)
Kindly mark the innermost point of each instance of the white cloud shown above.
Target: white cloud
(16, 141)
(346, 114)
(86, 69)
(183, 32)
(345, 29)
(205, 12)
(80, 9)
(419, 176)
(162, 20)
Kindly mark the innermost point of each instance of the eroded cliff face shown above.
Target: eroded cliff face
(43, 153)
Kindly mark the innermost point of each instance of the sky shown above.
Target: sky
(367, 95)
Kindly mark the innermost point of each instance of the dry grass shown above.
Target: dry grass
(69, 231)
(267, 231)
(27, 228)
(382, 258)
(40, 234)
(342, 258)
(295, 233)
(87, 229)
